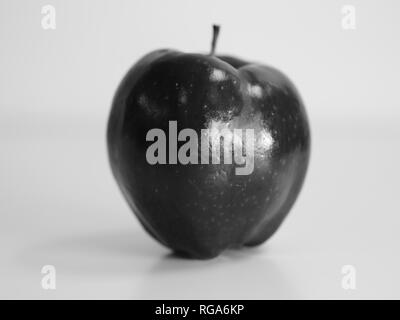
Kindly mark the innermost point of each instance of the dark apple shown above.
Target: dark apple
(199, 210)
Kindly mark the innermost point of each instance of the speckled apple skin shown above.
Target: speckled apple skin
(201, 210)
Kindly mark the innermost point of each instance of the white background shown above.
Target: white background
(60, 205)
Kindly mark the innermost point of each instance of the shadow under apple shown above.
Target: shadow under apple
(238, 274)
(251, 273)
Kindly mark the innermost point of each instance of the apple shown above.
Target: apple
(200, 208)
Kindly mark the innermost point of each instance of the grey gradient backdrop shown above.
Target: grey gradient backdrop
(59, 204)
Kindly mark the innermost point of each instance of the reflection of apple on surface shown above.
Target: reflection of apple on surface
(199, 210)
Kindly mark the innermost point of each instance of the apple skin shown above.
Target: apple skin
(200, 210)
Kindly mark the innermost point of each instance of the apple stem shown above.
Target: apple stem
(214, 38)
